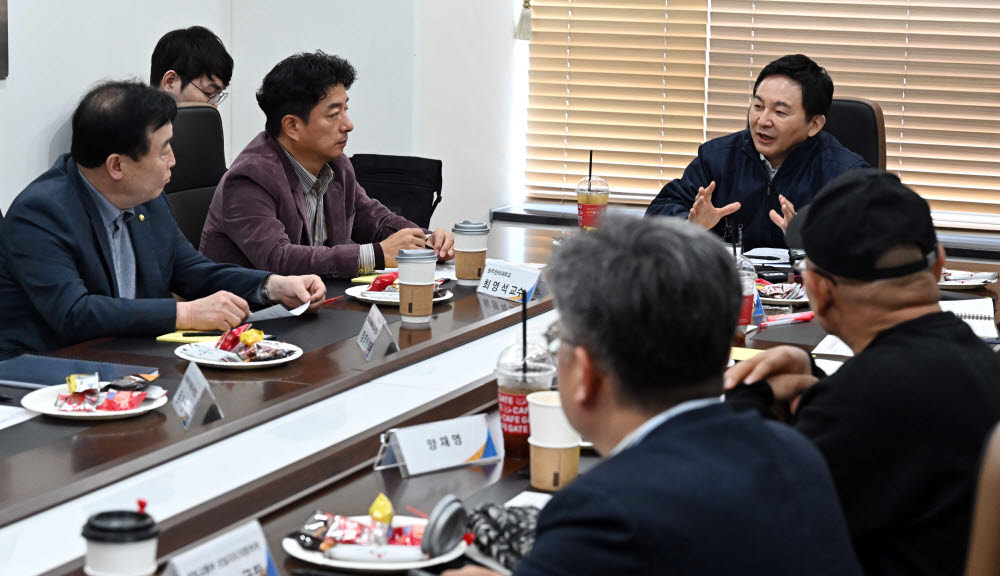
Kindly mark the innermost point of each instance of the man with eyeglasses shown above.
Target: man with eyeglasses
(903, 423)
(688, 485)
(192, 65)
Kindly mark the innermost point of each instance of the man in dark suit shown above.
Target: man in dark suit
(689, 486)
(90, 248)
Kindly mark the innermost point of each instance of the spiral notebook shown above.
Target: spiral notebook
(977, 313)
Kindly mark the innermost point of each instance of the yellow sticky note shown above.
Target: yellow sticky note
(740, 354)
(180, 338)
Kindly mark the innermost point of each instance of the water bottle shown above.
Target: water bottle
(748, 287)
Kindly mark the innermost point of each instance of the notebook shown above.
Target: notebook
(30, 371)
(978, 313)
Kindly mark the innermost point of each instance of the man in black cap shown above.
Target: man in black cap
(902, 425)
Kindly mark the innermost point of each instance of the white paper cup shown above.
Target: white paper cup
(471, 241)
(120, 543)
(416, 284)
(547, 421)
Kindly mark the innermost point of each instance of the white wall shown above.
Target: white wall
(469, 71)
(376, 37)
(441, 79)
(58, 49)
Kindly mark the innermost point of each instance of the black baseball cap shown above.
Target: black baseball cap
(856, 218)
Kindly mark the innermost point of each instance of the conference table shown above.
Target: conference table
(281, 441)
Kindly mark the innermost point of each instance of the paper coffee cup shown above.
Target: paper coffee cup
(547, 420)
(471, 240)
(120, 543)
(416, 284)
(553, 467)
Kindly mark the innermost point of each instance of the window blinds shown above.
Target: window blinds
(643, 83)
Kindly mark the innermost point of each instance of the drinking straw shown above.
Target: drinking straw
(524, 335)
(590, 170)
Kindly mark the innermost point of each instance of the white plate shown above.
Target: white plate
(43, 401)
(963, 284)
(316, 557)
(386, 298)
(181, 351)
(783, 302)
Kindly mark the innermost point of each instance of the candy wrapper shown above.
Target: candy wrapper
(78, 402)
(310, 536)
(231, 339)
(119, 400)
(132, 382)
(83, 382)
(383, 281)
(265, 350)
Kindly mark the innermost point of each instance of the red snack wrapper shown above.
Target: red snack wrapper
(384, 281)
(406, 535)
(230, 339)
(343, 530)
(117, 400)
(78, 402)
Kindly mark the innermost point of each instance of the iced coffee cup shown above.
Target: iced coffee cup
(591, 202)
(515, 380)
(471, 239)
(554, 444)
(416, 284)
(120, 543)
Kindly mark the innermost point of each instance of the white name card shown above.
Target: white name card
(239, 552)
(438, 445)
(374, 324)
(505, 280)
(185, 401)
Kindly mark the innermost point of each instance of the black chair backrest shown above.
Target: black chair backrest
(200, 152)
(409, 186)
(199, 149)
(190, 210)
(859, 126)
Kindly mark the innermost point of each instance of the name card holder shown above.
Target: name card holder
(239, 552)
(437, 446)
(371, 335)
(194, 399)
(506, 280)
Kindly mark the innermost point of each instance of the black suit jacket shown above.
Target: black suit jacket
(57, 283)
(707, 492)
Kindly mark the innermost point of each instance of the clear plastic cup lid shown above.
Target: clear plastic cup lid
(597, 184)
(470, 227)
(417, 255)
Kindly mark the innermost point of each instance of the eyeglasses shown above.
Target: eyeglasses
(801, 267)
(555, 336)
(217, 98)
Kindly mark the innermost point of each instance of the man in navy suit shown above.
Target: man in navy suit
(688, 486)
(90, 248)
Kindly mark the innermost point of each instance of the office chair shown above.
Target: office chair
(859, 126)
(199, 150)
(984, 540)
(408, 186)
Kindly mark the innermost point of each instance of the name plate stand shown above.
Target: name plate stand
(438, 446)
(371, 330)
(509, 281)
(240, 552)
(194, 396)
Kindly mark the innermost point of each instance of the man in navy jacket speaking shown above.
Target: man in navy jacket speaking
(755, 178)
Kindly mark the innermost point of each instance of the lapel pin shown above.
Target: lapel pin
(142, 217)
